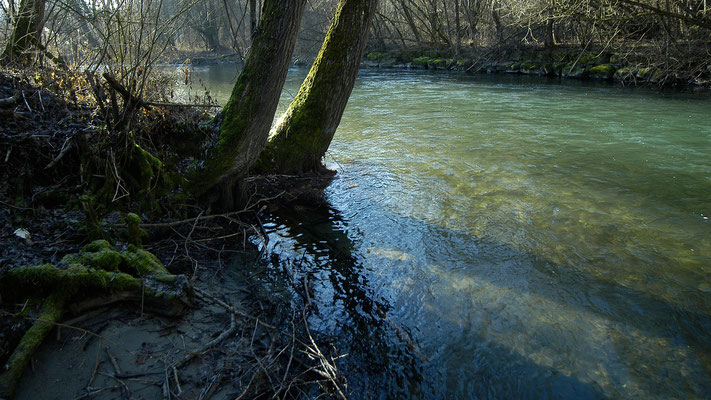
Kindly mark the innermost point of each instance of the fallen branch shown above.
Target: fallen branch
(231, 309)
(212, 343)
(65, 148)
(207, 217)
(127, 96)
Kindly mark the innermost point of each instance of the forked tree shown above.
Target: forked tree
(300, 138)
(248, 114)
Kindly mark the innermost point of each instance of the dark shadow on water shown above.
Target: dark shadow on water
(378, 363)
(383, 362)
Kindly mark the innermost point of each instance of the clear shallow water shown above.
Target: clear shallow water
(510, 237)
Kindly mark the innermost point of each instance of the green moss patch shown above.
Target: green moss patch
(604, 71)
(98, 269)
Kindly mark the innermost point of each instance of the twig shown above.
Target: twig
(92, 391)
(212, 343)
(249, 384)
(230, 308)
(166, 386)
(336, 161)
(291, 356)
(118, 179)
(327, 370)
(210, 388)
(65, 148)
(206, 217)
(259, 361)
(177, 381)
(187, 251)
(135, 375)
(182, 105)
(63, 325)
(39, 95)
(96, 368)
(26, 103)
(113, 360)
(220, 237)
(124, 388)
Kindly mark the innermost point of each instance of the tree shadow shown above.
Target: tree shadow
(384, 360)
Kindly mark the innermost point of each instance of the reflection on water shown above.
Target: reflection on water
(515, 237)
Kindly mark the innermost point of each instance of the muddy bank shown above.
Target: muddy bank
(91, 246)
(124, 351)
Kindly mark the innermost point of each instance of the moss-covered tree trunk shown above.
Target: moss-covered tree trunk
(250, 110)
(301, 137)
(26, 31)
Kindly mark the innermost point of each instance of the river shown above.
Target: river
(508, 237)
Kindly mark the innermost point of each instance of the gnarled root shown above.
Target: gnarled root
(99, 273)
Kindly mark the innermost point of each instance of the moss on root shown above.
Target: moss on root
(102, 255)
(98, 270)
(52, 310)
(149, 167)
(135, 233)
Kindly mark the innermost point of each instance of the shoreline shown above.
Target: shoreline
(583, 66)
(564, 64)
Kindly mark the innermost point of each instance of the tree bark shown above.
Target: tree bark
(301, 137)
(411, 22)
(549, 41)
(252, 16)
(458, 29)
(248, 114)
(26, 32)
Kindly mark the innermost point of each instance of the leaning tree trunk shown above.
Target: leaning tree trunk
(26, 32)
(252, 17)
(301, 137)
(248, 114)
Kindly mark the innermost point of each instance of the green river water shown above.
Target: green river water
(509, 237)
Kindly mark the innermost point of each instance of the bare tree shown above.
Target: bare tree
(26, 32)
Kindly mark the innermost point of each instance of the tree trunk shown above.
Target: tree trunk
(458, 29)
(26, 33)
(302, 135)
(411, 22)
(248, 114)
(549, 41)
(252, 17)
(497, 21)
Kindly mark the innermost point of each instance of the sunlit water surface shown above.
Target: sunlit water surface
(509, 237)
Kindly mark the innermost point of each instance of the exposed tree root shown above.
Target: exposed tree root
(99, 273)
(51, 312)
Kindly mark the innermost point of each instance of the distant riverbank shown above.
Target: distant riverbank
(572, 63)
(563, 63)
